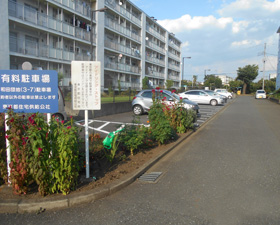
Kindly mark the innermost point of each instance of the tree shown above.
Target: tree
(145, 83)
(235, 85)
(247, 74)
(212, 81)
(168, 84)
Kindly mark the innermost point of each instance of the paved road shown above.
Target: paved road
(225, 174)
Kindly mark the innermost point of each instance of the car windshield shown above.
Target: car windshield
(261, 91)
(176, 96)
(211, 93)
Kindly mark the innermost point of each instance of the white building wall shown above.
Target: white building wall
(4, 37)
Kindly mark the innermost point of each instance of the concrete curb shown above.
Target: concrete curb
(57, 202)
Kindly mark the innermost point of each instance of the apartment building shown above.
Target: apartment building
(51, 33)
(225, 79)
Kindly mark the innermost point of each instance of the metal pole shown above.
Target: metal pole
(91, 36)
(263, 65)
(8, 149)
(87, 143)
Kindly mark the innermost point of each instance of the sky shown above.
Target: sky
(221, 35)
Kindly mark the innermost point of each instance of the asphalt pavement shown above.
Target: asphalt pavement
(226, 174)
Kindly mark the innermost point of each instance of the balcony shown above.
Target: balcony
(32, 16)
(155, 33)
(173, 77)
(76, 5)
(112, 4)
(174, 66)
(122, 48)
(174, 56)
(123, 67)
(83, 57)
(33, 49)
(155, 74)
(119, 28)
(155, 47)
(155, 60)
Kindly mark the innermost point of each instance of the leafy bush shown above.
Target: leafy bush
(161, 128)
(3, 161)
(46, 154)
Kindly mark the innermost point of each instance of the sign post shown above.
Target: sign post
(86, 93)
(27, 91)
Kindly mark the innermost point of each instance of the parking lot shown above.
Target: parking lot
(105, 125)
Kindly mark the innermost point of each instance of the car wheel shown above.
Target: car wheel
(213, 102)
(58, 117)
(137, 110)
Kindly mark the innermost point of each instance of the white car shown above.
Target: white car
(223, 92)
(202, 97)
(260, 94)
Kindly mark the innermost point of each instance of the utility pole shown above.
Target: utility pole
(264, 64)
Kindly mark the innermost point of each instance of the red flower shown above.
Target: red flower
(157, 88)
(173, 91)
(69, 127)
(153, 91)
(181, 98)
(161, 91)
(62, 121)
(7, 136)
(40, 150)
(12, 120)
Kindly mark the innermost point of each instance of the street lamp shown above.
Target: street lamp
(205, 73)
(183, 65)
(91, 24)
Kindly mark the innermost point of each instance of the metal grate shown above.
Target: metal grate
(150, 177)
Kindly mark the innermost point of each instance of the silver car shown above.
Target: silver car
(144, 100)
(202, 97)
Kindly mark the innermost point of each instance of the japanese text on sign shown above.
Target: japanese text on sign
(86, 87)
(29, 91)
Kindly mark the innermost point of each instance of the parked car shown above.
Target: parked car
(61, 114)
(224, 92)
(216, 94)
(144, 99)
(202, 97)
(260, 94)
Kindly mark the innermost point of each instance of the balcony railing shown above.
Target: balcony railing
(76, 5)
(115, 26)
(155, 73)
(174, 56)
(155, 60)
(32, 16)
(123, 11)
(123, 67)
(122, 48)
(173, 77)
(155, 33)
(173, 66)
(155, 46)
(32, 48)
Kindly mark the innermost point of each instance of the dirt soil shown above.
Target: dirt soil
(103, 171)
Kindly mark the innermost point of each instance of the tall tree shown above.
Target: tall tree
(247, 74)
(212, 81)
(168, 84)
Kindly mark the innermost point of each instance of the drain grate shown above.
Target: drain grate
(150, 177)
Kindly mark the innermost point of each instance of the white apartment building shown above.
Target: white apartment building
(225, 79)
(51, 33)
(278, 63)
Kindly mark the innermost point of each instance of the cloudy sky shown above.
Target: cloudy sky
(220, 35)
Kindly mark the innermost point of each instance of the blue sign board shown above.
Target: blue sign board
(29, 91)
